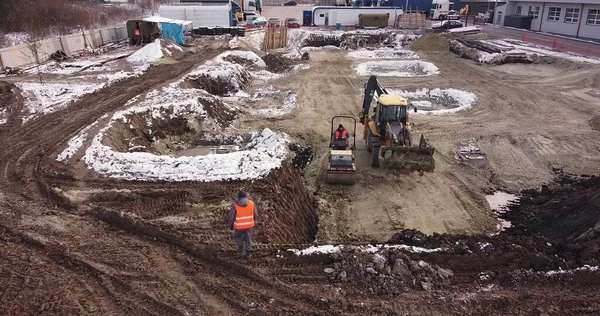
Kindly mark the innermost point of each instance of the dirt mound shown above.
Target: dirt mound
(276, 63)
(218, 85)
(409, 162)
(431, 42)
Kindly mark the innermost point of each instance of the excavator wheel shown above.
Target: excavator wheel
(375, 155)
(371, 139)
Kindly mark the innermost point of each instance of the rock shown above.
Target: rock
(343, 276)
(371, 270)
(427, 286)
(336, 265)
(379, 262)
(329, 270)
(388, 270)
(401, 269)
(445, 273)
(414, 267)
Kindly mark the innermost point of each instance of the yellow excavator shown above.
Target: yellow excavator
(389, 134)
(341, 167)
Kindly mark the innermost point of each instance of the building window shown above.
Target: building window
(554, 14)
(593, 17)
(322, 15)
(534, 12)
(519, 9)
(572, 15)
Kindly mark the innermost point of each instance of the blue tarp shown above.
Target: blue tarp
(173, 31)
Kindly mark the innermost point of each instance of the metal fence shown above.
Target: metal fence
(21, 55)
(562, 45)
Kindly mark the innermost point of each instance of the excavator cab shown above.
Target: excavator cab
(341, 166)
(389, 134)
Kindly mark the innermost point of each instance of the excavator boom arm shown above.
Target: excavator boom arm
(371, 87)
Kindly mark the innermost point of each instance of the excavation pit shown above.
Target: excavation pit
(405, 68)
(438, 101)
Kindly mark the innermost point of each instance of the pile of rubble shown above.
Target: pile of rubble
(386, 272)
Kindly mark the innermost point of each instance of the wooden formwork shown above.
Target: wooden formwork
(275, 37)
(411, 20)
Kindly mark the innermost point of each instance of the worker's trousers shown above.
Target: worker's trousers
(243, 239)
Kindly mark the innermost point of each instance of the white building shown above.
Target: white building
(579, 18)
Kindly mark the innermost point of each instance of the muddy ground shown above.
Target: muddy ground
(76, 243)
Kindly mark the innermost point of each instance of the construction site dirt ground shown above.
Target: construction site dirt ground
(74, 242)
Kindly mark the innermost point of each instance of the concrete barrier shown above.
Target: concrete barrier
(22, 56)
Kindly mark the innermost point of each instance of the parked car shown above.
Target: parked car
(292, 23)
(257, 20)
(273, 21)
(290, 3)
(446, 25)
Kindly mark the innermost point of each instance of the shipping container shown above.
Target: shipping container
(348, 16)
(207, 14)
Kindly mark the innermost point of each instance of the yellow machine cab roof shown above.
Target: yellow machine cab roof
(391, 100)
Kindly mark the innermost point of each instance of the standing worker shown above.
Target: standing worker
(137, 34)
(241, 220)
(239, 15)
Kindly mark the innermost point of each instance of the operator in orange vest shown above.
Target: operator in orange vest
(340, 138)
(241, 219)
(137, 36)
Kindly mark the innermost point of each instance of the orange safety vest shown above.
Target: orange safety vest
(137, 32)
(337, 134)
(244, 216)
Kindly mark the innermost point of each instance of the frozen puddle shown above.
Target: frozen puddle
(438, 101)
(499, 202)
(404, 68)
(383, 53)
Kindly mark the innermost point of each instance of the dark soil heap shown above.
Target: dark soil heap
(567, 213)
(276, 63)
(5, 91)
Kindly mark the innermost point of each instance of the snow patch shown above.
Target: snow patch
(265, 152)
(363, 248)
(403, 68)
(383, 53)
(147, 54)
(457, 100)
(76, 142)
(50, 97)
(583, 268)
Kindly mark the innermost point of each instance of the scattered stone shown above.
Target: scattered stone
(329, 270)
(445, 273)
(371, 270)
(343, 275)
(379, 262)
(427, 286)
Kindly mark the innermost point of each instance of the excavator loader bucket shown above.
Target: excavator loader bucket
(408, 158)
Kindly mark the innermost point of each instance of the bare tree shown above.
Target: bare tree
(35, 44)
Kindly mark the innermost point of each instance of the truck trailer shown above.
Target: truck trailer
(349, 16)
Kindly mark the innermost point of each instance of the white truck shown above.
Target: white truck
(443, 10)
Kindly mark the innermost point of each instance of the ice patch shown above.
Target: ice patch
(403, 68)
(499, 202)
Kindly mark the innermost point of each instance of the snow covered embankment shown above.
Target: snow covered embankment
(456, 100)
(265, 151)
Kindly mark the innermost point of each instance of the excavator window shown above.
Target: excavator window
(393, 114)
